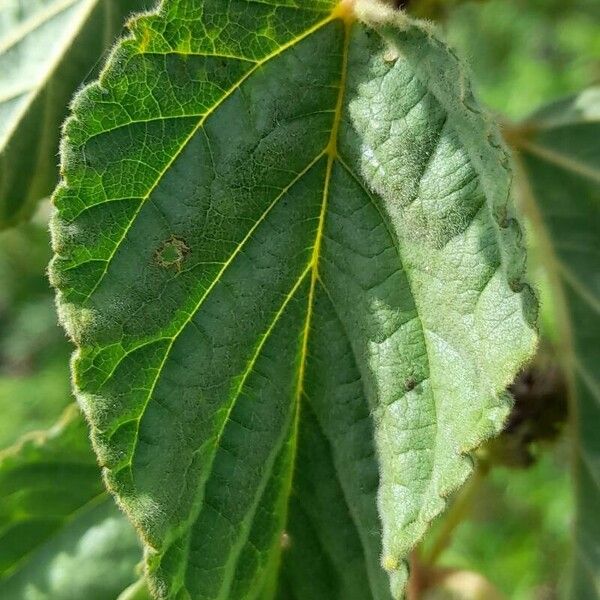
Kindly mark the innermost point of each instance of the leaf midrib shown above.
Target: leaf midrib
(558, 159)
(209, 289)
(332, 155)
(331, 152)
(331, 158)
(559, 278)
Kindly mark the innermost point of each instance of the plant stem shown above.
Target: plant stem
(456, 514)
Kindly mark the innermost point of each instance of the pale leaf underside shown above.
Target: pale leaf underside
(284, 250)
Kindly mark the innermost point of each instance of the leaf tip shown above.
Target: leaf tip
(390, 563)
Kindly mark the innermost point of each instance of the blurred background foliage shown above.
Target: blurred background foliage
(34, 354)
(515, 531)
(526, 53)
(515, 528)
(523, 53)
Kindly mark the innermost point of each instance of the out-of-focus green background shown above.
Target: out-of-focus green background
(34, 353)
(523, 53)
(526, 53)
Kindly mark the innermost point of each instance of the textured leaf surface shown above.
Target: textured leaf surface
(561, 161)
(61, 536)
(284, 250)
(47, 47)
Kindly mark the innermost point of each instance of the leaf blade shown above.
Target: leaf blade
(257, 240)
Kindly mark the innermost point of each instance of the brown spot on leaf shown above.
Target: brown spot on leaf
(172, 253)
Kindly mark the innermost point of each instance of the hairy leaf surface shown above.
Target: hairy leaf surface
(61, 535)
(561, 163)
(47, 47)
(284, 250)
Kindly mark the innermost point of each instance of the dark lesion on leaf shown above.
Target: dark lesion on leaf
(410, 384)
(171, 253)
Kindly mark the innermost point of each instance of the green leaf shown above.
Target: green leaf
(47, 47)
(61, 536)
(95, 556)
(136, 591)
(525, 54)
(560, 187)
(44, 480)
(35, 385)
(287, 259)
